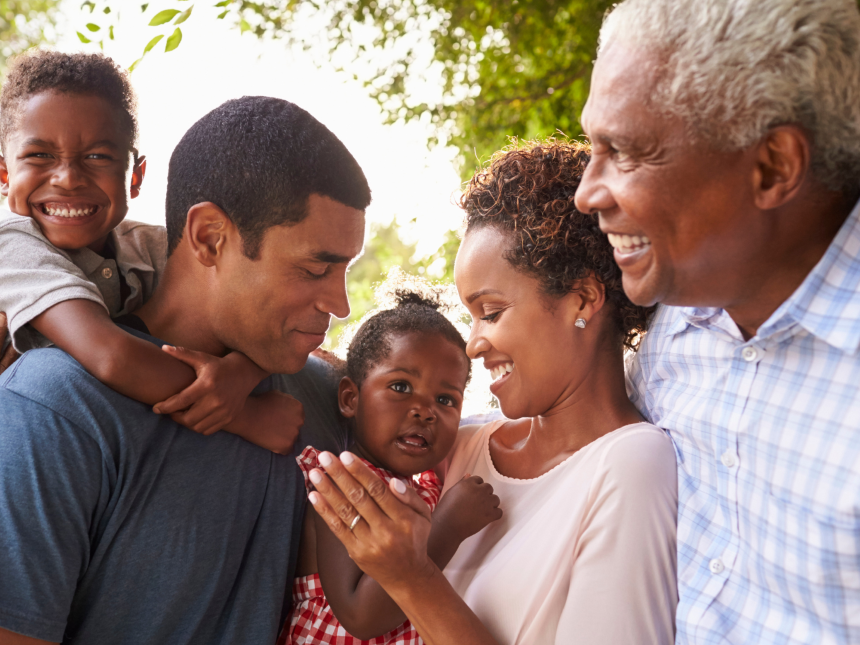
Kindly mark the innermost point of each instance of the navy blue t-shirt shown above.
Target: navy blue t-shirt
(119, 525)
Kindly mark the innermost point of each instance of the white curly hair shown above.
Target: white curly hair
(732, 69)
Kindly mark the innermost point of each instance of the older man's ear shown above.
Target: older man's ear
(783, 158)
(8, 355)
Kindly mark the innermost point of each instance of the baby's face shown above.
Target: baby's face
(408, 408)
(68, 166)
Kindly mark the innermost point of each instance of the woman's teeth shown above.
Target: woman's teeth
(500, 370)
(68, 211)
(628, 243)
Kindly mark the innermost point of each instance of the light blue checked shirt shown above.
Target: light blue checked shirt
(767, 436)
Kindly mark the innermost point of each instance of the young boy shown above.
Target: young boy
(69, 261)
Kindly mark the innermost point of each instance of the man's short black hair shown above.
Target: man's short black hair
(259, 159)
(41, 70)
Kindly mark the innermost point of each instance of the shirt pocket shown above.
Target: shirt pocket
(811, 551)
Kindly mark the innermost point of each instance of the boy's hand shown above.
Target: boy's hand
(8, 356)
(218, 394)
(466, 508)
(271, 420)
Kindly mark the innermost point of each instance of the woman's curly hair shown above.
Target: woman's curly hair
(526, 190)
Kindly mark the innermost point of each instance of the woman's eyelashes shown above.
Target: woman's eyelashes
(491, 317)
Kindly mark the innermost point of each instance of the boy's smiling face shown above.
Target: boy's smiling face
(69, 165)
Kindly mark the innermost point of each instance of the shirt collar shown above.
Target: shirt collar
(826, 304)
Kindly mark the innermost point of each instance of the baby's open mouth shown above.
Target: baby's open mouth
(413, 441)
(59, 209)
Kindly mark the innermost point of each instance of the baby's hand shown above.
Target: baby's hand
(467, 508)
(218, 394)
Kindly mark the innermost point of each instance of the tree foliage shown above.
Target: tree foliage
(478, 71)
(23, 24)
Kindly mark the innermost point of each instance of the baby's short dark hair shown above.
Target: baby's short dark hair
(41, 70)
(413, 313)
(259, 159)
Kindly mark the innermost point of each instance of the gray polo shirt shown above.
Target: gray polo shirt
(35, 275)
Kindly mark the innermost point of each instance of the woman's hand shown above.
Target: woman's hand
(389, 542)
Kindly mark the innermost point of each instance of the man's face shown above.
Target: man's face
(68, 166)
(276, 309)
(679, 214)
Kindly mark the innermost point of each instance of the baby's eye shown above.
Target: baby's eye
(401, 387)
(444, 399)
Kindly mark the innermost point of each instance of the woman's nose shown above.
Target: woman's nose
(476, 344)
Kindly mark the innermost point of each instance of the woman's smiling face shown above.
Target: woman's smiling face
(526, 339)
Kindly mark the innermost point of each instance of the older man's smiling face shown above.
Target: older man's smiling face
(679, 214)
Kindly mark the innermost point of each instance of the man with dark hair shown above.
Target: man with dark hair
(118, 524)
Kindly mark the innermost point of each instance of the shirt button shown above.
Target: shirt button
(107, 273)
(749, 354)
(716, 566)
(729, 459)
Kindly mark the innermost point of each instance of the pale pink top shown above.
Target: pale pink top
(585, 553)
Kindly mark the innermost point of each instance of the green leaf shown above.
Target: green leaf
(134, 64)
(152, 43)
(223, 3)
(83, 38)
(92, 26)
(110, 32)
(144, 7)
(244, 26)
(162, 17)
(182, 17)
(174, 40)
(222, 14)
(106, 10)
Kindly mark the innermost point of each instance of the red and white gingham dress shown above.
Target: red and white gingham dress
(311, 620)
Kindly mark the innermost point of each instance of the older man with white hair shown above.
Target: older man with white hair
(726, 172)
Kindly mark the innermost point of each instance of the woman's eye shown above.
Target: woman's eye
(490, 317)
(401, 387)
(445, 400)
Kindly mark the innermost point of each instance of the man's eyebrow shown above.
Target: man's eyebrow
(331, 258)
(482, 292)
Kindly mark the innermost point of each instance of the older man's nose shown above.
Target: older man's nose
(593, 195)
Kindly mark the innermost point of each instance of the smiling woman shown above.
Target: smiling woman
(585, 550)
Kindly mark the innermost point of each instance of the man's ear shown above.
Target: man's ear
(347, 397)
(585, 302)
(782, 163)
(137, 174)
(207, 228)
(4, 177)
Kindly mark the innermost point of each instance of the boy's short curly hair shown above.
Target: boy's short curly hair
(413, 313)
(41, 70)
(526, 191)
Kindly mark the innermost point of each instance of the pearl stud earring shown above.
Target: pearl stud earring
(580, 322)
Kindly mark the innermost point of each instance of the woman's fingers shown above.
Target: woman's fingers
(359, 489)
(327, 513)
(409, 497)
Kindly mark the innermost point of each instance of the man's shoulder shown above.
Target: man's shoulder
(58, 384)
